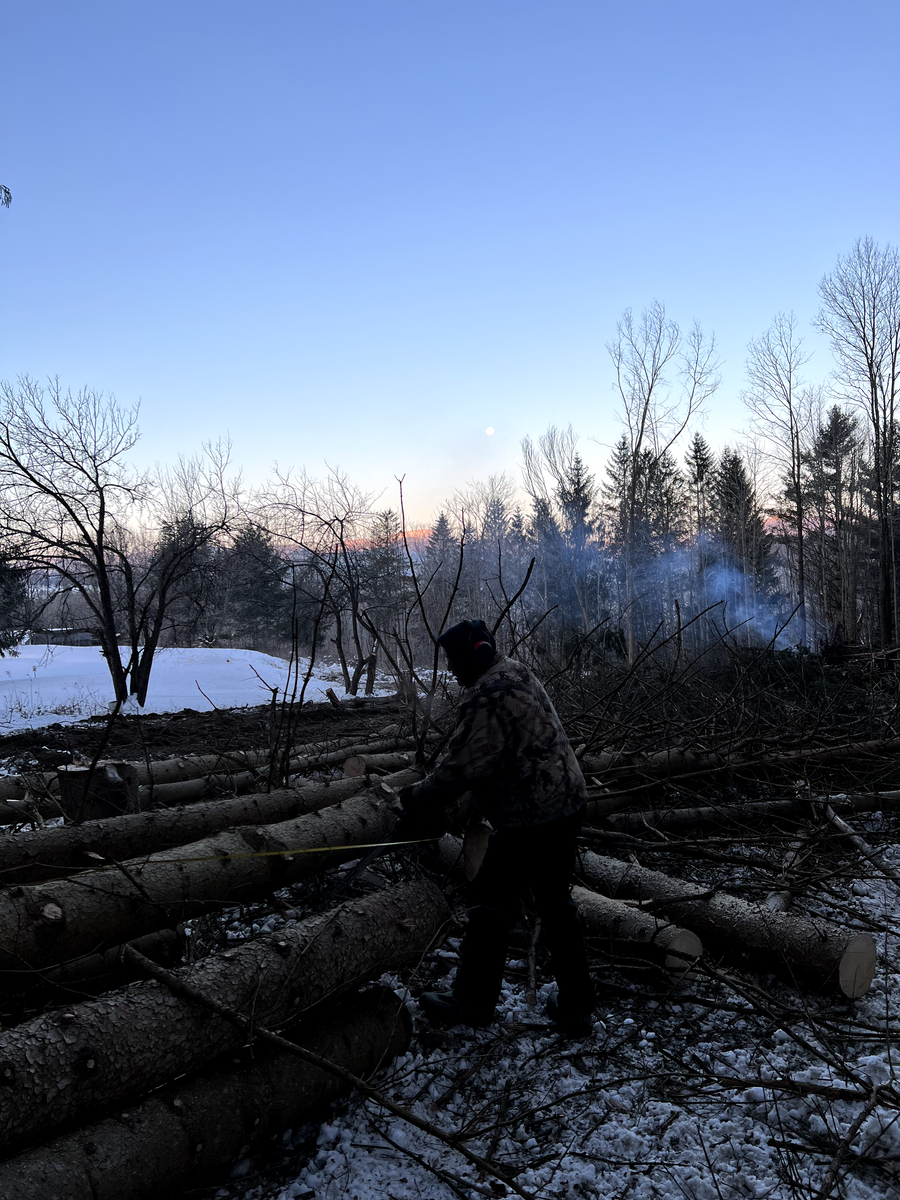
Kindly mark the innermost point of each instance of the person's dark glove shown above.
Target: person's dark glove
(422, 817)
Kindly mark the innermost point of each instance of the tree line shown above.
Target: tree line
(788, 539)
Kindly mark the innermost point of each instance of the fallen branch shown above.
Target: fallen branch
(861, 845)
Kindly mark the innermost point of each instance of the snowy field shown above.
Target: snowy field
(41, 685)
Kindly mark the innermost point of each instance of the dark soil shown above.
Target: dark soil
(171, 735)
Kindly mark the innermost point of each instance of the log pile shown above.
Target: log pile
(141, 1091)
(175, 1137)
(85, 900)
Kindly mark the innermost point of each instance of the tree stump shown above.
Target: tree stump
(109, 789)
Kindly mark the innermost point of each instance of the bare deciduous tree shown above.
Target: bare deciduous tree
(783, 410)
(656, 408)
(860, 313)
(74, 506)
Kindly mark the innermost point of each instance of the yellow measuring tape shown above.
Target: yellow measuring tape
(286, 854)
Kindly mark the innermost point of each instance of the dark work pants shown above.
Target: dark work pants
(540, 857)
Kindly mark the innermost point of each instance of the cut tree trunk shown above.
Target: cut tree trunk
(628, 929)
(174, 1138)
(95, 973)
(378, 764)
(61, 919)
(45, 853)
(805, 951)
(70, 1064)
(639, 933)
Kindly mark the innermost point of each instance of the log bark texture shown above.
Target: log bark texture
(378, 764)
(50, 922)
(30, 856)
(73, 1063)
(638, 932)
(175, 1137)
(628, 928)
(804, 950)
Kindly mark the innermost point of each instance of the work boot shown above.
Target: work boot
(444, 1009)
(577, 1024)
(568, 959)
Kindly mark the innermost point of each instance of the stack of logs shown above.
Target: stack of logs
(91, 902)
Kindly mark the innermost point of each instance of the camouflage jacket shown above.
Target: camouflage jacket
(510, 749)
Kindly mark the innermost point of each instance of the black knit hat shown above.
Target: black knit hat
(470, 646)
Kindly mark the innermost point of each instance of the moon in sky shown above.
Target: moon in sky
(490, 431)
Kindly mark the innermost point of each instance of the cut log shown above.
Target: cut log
(61, 919)
(802, 949)
(176, 1137)
(674, 819)
(19, 787)
(74, 1063)
(378, 764)
(242, 767)
(625, 928)
(44, 853)
(639, 933)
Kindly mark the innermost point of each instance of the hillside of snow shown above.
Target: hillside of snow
(41, 685)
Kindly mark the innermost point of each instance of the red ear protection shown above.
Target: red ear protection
(482, 653)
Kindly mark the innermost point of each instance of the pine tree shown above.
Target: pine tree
(258, 598)
(700, 465)
(576, 496)
(842, 562)
(739, 526)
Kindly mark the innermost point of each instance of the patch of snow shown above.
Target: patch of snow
(44, 685)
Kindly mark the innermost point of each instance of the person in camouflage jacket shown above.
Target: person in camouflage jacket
(510, 750)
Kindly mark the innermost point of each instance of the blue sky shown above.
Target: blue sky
(362, 231)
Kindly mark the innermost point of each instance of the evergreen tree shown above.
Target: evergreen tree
(188, 562)
(742, 540)
(385, 581)
(257, 592)
(842, 540)
(700, 465)
(576, 495)
(441, 562)
(13, 600)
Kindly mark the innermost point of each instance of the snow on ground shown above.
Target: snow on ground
(41, 685)
(641, 1110)
(672, 1096)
